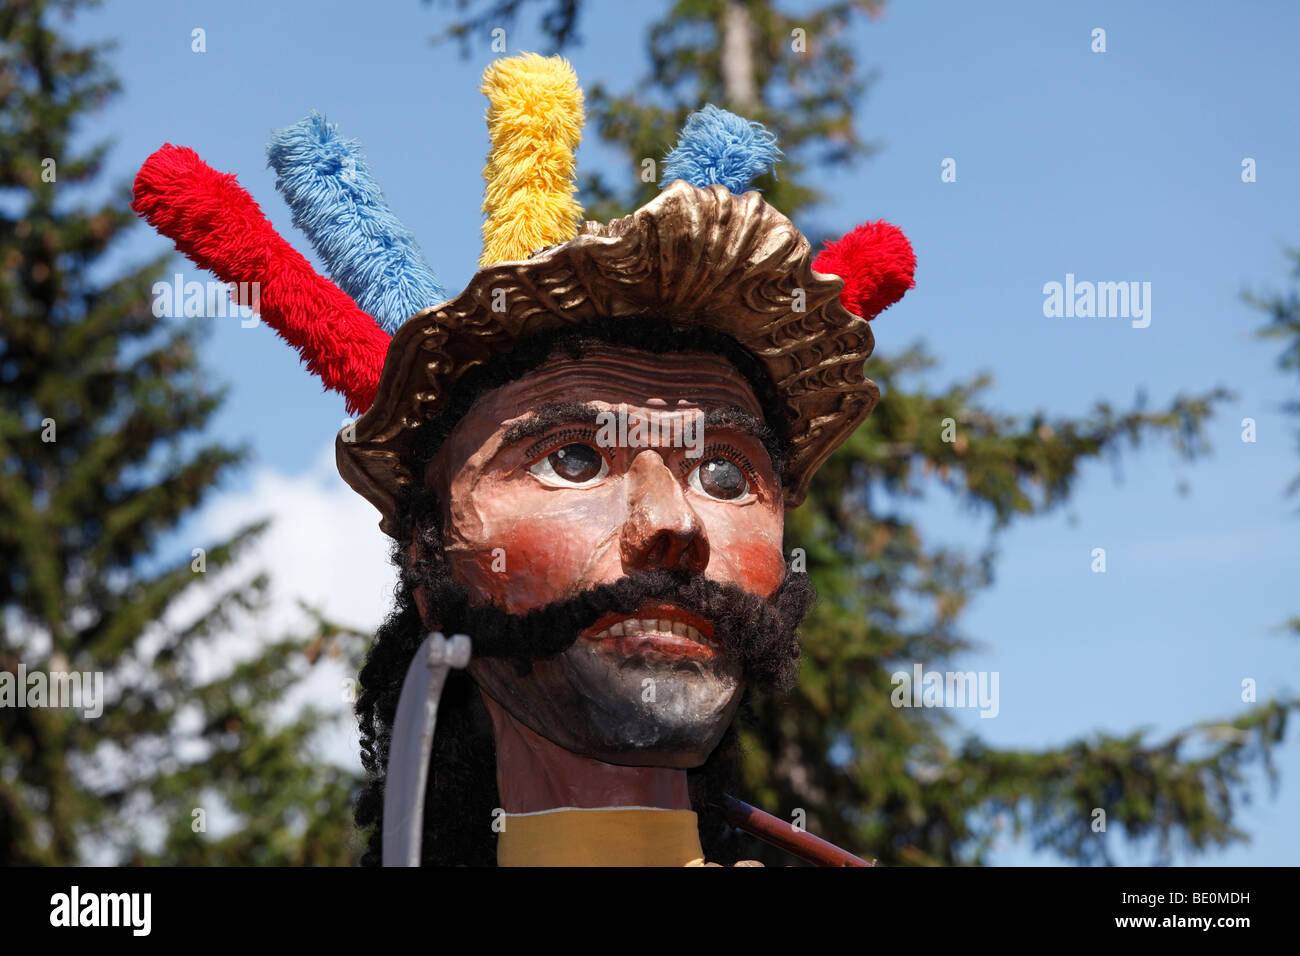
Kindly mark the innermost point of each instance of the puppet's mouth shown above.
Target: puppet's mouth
(656, 626)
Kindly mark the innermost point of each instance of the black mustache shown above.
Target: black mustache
(759, 634)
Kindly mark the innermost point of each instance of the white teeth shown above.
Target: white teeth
(634, 626)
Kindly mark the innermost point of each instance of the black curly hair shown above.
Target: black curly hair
(462, 789)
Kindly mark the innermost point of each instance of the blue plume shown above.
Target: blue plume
(716, 146)
(337, 203)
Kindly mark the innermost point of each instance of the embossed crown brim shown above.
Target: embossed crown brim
(706, 257)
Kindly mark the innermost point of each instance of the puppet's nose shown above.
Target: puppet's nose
(662, 530)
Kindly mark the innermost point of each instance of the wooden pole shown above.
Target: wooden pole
(781, 834)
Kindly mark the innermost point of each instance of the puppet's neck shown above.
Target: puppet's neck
(565, 809)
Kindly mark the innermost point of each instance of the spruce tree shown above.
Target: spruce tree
(887, 781)
(102, 456)
(1283, 311)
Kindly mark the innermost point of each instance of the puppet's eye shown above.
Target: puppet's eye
(576, 463)
(720, 478)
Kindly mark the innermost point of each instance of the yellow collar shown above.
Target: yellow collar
(612, 836)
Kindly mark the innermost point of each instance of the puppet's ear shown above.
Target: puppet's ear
(875, 261)
(214, 221)
(535, 123)
(337, 202)
(717, 146)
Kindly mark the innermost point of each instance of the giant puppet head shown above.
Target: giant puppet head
(584, 459)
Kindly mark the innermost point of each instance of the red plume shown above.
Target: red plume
(214, 221)
(875, 261)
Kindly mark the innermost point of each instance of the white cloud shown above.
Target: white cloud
(323, 547)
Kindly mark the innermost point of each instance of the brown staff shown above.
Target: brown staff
(784, 835)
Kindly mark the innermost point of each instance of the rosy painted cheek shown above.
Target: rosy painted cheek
(745, 548)
(546, 570)
(757, 567)
(534, 552)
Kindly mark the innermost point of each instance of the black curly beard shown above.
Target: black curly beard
(760, 635)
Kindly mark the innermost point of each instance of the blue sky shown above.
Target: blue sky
(1115, 166)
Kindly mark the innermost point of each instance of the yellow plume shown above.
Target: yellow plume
(535, 123)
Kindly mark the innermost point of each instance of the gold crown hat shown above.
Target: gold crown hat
(706, 252)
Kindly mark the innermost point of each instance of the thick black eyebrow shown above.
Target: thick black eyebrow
(579, 413)
(550, 415)
(733, 416)
(582, 413)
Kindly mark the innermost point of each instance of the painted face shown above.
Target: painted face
(544, 498)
